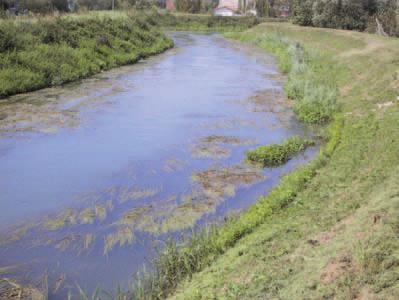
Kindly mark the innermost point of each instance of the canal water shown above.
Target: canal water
(95, 175)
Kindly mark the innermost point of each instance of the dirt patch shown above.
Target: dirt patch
(336, 268)
(325, 237)
(371, 46)
(366, 294)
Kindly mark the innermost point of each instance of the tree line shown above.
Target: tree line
(380, 16)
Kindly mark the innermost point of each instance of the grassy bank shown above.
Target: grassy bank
(330, 229)
(37, 53)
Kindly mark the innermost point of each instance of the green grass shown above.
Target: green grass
(278, 154)
(330, 229)
(41, 52)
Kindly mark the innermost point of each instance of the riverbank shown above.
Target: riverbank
(39, 52)
(48, 51)
(330, 228)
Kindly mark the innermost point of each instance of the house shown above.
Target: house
(223, 11)
(284, 11)
(170, 5)
(233, 5)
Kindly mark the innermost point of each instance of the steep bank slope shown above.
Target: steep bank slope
(339, 236)
(37, 53)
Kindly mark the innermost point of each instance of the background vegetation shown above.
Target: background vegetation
(204, 22)
(51, 51)
(349, 14)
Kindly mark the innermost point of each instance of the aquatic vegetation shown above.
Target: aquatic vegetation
(223, 182)
(187, 214)
(15, 234)
(211, 151)
(88, 240)
(134, 215)
(278, 154)
(100, 212)
(173, 165)
(223, 139)
(87, 216)
(66, 241)
(211, 146)
(123, 236)
(62, 220)
(233, 123)
(128, 194)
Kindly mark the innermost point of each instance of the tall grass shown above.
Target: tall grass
(50, 51)
(315, 96)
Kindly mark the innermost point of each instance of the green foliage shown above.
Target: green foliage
(53, 51)
(204, 22)
(348, 14)
(278, 154)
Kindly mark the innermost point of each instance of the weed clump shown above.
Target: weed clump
(278, 154)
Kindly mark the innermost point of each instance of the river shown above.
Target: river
(95, 175)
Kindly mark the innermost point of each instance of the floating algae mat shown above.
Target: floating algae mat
(97, 174)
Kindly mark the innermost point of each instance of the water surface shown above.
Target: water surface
(94, 174)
